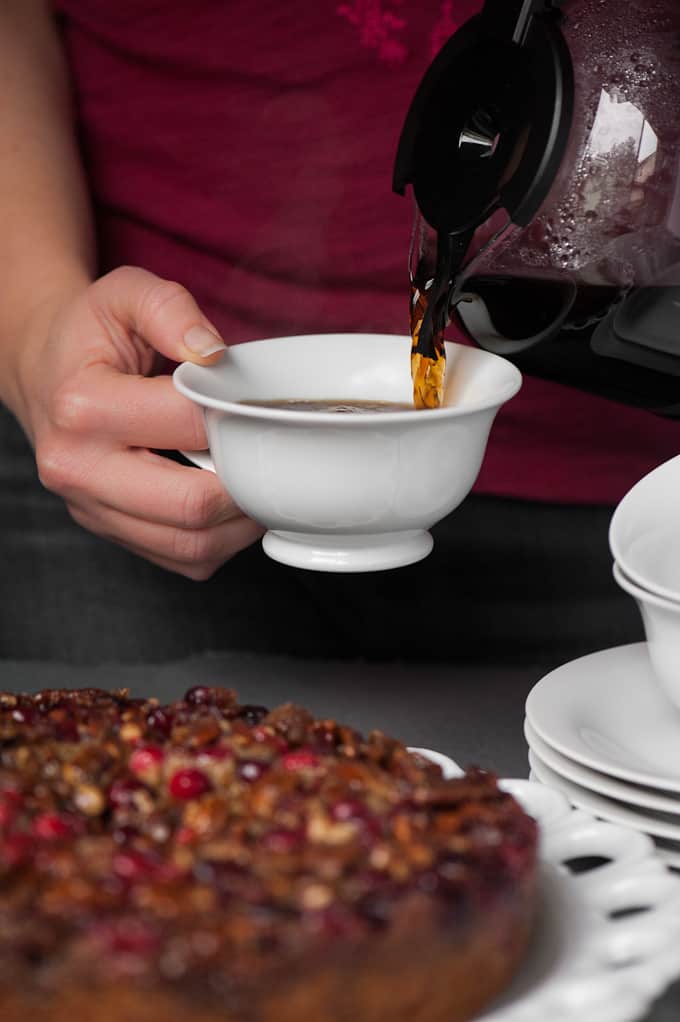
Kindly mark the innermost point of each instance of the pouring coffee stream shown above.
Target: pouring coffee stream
(543, 150)
(429, 313)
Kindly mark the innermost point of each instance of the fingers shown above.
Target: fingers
(133, 411)
(139, 484)
(161, 311)
(156, 490)
(175, 516)
(194, 553)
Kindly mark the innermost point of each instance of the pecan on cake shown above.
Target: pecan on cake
(206, 861)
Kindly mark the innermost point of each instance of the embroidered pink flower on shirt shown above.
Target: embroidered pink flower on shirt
(379, 27)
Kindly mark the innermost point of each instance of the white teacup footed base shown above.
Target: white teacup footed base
(340, 552)
(378, 551)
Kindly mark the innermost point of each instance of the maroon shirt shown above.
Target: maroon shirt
(245, 148)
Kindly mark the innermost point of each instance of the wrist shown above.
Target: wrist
(24, 329)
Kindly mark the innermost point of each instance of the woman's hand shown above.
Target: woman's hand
(86, 396)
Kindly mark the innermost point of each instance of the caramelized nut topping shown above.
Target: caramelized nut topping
(140, 841)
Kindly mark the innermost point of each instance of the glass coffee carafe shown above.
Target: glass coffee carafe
(543, 148)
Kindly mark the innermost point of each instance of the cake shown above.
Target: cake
(206, 861)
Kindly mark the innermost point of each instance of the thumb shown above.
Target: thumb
(160, 311)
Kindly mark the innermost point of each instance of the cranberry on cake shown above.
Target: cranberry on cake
(207, 861)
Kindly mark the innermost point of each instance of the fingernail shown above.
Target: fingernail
(203, 341)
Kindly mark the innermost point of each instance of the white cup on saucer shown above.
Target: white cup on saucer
(352, 492)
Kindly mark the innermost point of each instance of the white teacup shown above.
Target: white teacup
(644, 534)
(345, 492)
(661, 620)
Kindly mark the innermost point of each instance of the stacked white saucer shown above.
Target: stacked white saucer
(605, 730)
(602, 732)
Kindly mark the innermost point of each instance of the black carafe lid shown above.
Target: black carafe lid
(488, 126)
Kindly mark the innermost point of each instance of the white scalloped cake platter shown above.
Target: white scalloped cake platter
(594, 955)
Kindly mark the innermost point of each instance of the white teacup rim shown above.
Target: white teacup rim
(187, 375)
(641, 513)
(645, 595)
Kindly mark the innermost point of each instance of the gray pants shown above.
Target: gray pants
(507, 581)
